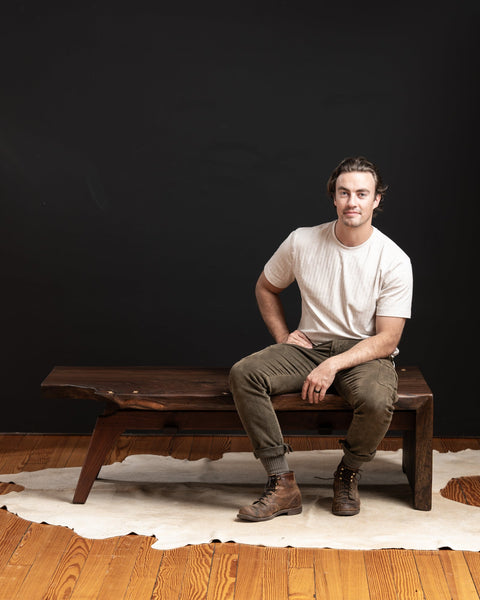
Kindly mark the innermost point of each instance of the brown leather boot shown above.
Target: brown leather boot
(280, 497)
(346, 500)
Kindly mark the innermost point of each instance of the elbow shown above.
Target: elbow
(389, 332)
(390, 345)
(259, 290)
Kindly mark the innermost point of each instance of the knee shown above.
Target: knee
(375, 401)
(235, 376)
(241, 372)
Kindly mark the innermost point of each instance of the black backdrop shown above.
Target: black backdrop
(154, 155)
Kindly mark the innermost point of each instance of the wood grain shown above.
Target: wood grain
(185, 388)
(79, 452)
(473, 561)
(453, 491)
(145, 571)
(197, 572)
(456, 444)
(12, 531)
(68, 570)
(6, 488)
(15, 452)
(250, 573)
(170, 575)
(276, 574)
(16, 570)
(353, 575)
(201, 447)
(434, 582)
(381, 583)
(223, 572)
(120, 569)
(457, 575)
(54, 541)
(99, 558)
(301, 574)
(405, 574)
(463, 489)
(471, 489)
(328, 578)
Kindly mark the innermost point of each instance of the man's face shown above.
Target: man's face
(355, 198)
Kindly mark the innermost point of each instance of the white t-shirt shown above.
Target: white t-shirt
(343, 288)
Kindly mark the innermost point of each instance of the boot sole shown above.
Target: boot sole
(345, 513)
(288, 511)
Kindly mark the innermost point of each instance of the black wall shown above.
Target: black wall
(154, 155)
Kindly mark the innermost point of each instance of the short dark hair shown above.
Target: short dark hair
(358, 164)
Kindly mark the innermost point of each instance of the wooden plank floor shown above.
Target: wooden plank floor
(45, 562)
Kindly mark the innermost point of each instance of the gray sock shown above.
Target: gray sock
(275, 465)
(351, 463)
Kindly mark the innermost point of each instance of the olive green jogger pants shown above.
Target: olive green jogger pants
(370, 388)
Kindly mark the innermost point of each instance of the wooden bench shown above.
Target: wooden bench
(188, 400)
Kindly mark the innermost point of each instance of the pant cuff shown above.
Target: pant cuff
(272, 451)
(354, 461)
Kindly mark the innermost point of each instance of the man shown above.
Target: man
(356, 290)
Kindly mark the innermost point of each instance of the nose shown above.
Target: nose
(352, 200)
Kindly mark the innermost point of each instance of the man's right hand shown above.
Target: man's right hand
(297, 338)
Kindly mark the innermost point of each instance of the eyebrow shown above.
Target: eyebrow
(341, 187)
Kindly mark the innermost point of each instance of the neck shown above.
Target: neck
(353, 236)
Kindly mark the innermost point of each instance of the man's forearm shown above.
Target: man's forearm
(377, 346)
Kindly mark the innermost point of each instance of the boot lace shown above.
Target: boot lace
(346, 478)
(270, 489)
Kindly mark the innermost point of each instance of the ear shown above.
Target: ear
(378, 197)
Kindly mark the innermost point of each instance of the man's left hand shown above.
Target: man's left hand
(317, 382)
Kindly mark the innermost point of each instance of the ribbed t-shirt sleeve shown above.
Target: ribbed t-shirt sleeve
(395, 299)
(279, 270)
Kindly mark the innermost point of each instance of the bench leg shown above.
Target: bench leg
(417, 456)
(107, 431)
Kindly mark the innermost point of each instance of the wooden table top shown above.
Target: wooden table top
(180, 388)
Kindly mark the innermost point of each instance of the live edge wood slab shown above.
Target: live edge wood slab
(188, 400)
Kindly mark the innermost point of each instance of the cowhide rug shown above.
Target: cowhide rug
(182, 502)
